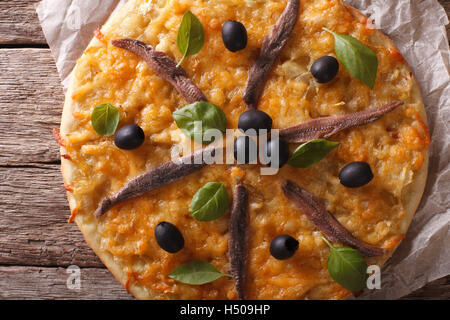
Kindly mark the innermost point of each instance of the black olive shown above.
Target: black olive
(325, 69)
(355, 174)
(245, 150)
(129, 137)
(168, 237)
(234, 35)
(283, 153)
(283, 247)
(256, 120)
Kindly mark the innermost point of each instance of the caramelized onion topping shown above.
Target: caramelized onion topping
(238, 244)
(328, 126)
(160, 176)
(165, 67)
(325, 221)
(270, 50)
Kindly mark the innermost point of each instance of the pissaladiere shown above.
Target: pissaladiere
(353, 143)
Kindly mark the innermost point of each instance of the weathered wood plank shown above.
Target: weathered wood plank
(51, 283)
(19, 23)
(31, 99)
(436, 290)
(33, 221)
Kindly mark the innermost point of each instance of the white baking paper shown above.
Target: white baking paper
(418, 29)
(69, 26)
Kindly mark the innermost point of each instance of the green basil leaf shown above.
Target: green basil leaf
(357, 58)
(210, 202)
(310, 153)
(105, 119)
(191, 37)
(196, 272)
(210, 116)
(347, 267)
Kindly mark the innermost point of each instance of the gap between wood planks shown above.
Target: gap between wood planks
(24, 46)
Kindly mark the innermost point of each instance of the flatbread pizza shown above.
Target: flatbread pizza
(353, 146)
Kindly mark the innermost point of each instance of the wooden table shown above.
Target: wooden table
(36, 243)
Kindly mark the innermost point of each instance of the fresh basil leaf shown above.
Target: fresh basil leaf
(310, 153)
(196, 272)
(191, 37)
(105, 119)
(210, 202)
(357, 58)
(347, 267)
(207, 114)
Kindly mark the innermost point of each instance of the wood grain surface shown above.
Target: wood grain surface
(36, 243)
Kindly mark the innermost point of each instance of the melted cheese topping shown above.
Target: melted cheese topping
(393, 146)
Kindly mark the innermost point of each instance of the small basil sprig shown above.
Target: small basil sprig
(196, 272)
(347, 267)
(191, 36)
(357, 58)
(207, 114)
(105, 119)
(210, 202)
(310, 153)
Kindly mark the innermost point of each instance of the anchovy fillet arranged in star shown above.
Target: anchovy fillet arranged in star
(238, 244)
(325, 221)
(165, 67)
(270, 50)
(328, 126)
(160, 176)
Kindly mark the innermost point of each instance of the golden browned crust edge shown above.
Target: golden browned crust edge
(412, 194)
(411, 197)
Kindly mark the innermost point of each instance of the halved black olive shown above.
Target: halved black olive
(256, 120)
(234, 35)
(129, 137)
(325, 69)
(168, 237)
(356, 174)
(283, 247)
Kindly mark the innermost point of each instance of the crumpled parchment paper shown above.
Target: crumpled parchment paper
(69, 26)
(418, 29)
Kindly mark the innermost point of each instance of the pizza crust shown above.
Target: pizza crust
(411, 195)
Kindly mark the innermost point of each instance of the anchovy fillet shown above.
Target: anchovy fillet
(238, 244)
(328, 126)
(160, 176)
(165, 67)
(325, 221)
(270, 50)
